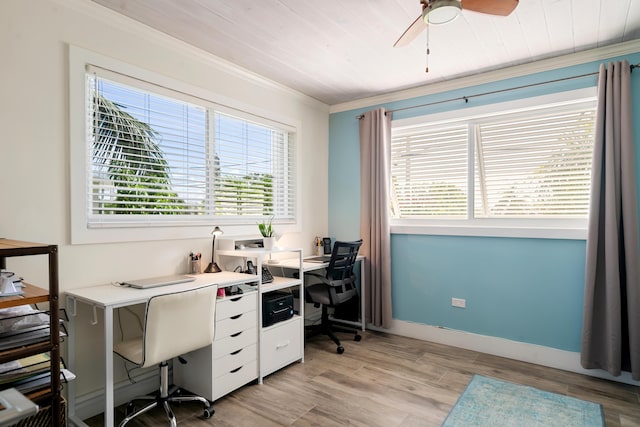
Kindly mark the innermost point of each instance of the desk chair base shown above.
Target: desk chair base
(329, 328)
(163, 398)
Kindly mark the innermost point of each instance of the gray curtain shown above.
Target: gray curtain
(611, 321)
(375, 162)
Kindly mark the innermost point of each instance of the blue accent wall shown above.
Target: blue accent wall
(527, 290)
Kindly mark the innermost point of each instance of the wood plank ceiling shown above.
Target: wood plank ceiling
(342, 50)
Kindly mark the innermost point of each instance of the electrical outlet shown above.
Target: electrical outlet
(458, 302)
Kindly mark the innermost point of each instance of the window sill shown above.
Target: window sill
(494, 230)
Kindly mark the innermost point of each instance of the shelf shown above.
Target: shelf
(252, 252)
(27, 350)
(32, 295)
(279, 283)
(48, 394)
(294, 318)
(20, 248)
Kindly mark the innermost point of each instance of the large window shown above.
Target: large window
(159, 157)
(516, 166)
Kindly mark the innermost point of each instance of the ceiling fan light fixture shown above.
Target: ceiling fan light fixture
(441, 11)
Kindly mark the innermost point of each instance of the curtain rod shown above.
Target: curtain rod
(466, 98)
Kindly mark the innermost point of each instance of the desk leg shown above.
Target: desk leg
(363, 318)
(71, 360)
(108, 368)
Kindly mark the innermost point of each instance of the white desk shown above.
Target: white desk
(313, 265)
(108, 297)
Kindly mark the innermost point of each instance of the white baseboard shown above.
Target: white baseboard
(532, 353)
(92, 404)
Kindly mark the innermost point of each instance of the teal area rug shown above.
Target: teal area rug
(490, 402)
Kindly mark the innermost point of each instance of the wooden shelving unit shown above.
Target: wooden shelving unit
(33, 295)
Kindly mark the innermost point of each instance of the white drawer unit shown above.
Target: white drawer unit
(233, 305)
(233, 325)
(281, 345)
(235, 370)
(229, 363)
(232, 343)
(232, 359)
(225, 384)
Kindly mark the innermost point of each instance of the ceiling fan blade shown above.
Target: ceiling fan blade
(411, 33)
(491, 7)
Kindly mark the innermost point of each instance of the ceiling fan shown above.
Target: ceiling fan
(443, 11)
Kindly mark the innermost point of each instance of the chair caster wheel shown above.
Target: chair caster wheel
(177, 392)
(340, 349)
(208, 412)
(129, 410)
(357, 337)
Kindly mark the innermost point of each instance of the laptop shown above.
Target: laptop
(153, 282)
(322, 258)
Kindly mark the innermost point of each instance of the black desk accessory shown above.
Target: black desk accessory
(326, 244)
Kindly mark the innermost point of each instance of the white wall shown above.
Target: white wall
(34, 43)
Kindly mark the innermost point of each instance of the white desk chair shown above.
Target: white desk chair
(174, 324)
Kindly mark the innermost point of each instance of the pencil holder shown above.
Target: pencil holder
(194, 266)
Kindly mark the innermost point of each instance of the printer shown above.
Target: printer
(276, 307)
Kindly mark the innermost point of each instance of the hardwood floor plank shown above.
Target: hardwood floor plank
(386, 380)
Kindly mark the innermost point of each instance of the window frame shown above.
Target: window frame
(496, 227)
(174, 228)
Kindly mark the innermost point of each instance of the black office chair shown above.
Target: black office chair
(336, 287)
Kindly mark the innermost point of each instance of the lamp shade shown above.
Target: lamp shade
(441, 11)
(213, 267)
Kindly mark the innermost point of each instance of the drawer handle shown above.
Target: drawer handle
(236, 352)
(236, 299)
(237, 316)
(283, 345)
(236, 334)
(235, 370)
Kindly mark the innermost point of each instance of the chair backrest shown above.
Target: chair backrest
(178, 323)
(340, 271)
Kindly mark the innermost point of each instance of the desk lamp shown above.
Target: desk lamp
(213, 267)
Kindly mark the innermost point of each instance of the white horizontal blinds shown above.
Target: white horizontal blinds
(254, 169)
(284, 182)
(429, 171)
(535, 166)
(148, 153)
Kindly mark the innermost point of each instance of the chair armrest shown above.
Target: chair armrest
(332, 283)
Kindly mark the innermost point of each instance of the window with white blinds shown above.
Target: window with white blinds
(429, 172)
(536, 166)
(529, 164)
(253, 170)
(166, 158)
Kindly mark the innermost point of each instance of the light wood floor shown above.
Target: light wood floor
(386, 380)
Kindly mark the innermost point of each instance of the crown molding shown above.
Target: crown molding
(543, 65)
